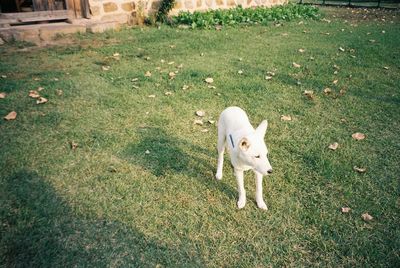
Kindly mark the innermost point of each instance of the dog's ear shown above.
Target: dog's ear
(262, 128)
(244, 144)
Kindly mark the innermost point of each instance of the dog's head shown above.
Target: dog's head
(253, 151)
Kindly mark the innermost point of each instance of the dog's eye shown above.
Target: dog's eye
(257, 156)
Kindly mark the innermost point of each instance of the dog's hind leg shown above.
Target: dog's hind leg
(221, 150)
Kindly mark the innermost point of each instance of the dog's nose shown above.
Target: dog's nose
(269, 171)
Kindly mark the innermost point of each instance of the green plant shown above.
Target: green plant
(165, 7)
(241, 15)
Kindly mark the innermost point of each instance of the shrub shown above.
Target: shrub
(164, 9)
(239, 15)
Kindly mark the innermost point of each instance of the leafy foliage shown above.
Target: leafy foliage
(241, 15)
(164, 9)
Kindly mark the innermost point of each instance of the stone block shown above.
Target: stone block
(48, 33)
(120, 18)
(189, 4)
(199, 3)
(128, 6)
(209, 3)
(95, 11)
(178, 4)
(220, 3)
(231, 3)
(110, 7)
(103, 26)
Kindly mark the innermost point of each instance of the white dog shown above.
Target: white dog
(246, 148)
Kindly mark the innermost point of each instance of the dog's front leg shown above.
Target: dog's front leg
(259, 191)
(242, 193)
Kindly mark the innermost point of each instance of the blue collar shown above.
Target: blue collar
(230, 136)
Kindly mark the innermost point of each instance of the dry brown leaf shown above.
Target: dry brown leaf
(198, 122)
(56, 79)
(211, 121)
(59, 92)
(358, 136)
(335, 81)
(212, 87)
(171, 75)
(135, 79)
(11, 116)
(341, 49)
(346, 209)
(73, 145)
(309, 93)
(209, 80)
(171, 62)
(286, 118)
(200, 113)
(268, 77)
(41, 100)
(185, 87)
(4, 76)
(302, 50)
(162, 61)
(147, 152)
(327, 91)
(180, 66)
(105, 68)
(147, 74)
(385, 67)
(359, 169)
(204, 130)
(33, 94)
(168, 93)
(295, 65)
(336, 67)
(270, 73)
(3, 95)
(152, 96)
(366, 217)
(240, 72)
(333, 146)
(40, 88)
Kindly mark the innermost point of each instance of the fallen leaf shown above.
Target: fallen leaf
(312, 58)
(342, 91)
(286, 118)
(135, 87)
(185, 87)
(180, 66)
(386, 68)
(11, 116)
(105, 68)
(333, 146)
(366, 217)
(41, 100)
(240, 72)
(59, 92)
(359, 169)
(33, 94)
(335, 81)
(346, 209)
(40, 88)
(168, 93)
(372, 41)
(268, 77)
(151, 96)
(3, 76)
(147, 58)
(218, 27)
(209, 80)
(341, 49)
(213, 87)
(358, 136)
(135, 79)
(198, 122)
(171, 62)
(73, 145)
(327, 91)
(147, 152)
(309, 93)
(295, 65)
(270, 73)
(56, 79)
(200, 113)
(172, 46)
(302, 50)
(171, 75)
(162, 61)
(147, 74)
(211, 121)
(204, 130)
(3, 95)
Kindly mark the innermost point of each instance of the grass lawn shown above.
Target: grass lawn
(109, 203)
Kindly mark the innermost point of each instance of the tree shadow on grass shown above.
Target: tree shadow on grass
(168, 154)
(39, 229)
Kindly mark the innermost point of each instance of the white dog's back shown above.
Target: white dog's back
(234, 119)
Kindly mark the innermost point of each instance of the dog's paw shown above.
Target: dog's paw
(262, 205)
(241, 203)
(218, 176)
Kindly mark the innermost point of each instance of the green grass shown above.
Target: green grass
(108, 203)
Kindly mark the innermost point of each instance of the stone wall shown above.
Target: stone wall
(131, 11)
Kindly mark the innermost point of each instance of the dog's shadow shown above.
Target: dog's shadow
(163, 154)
